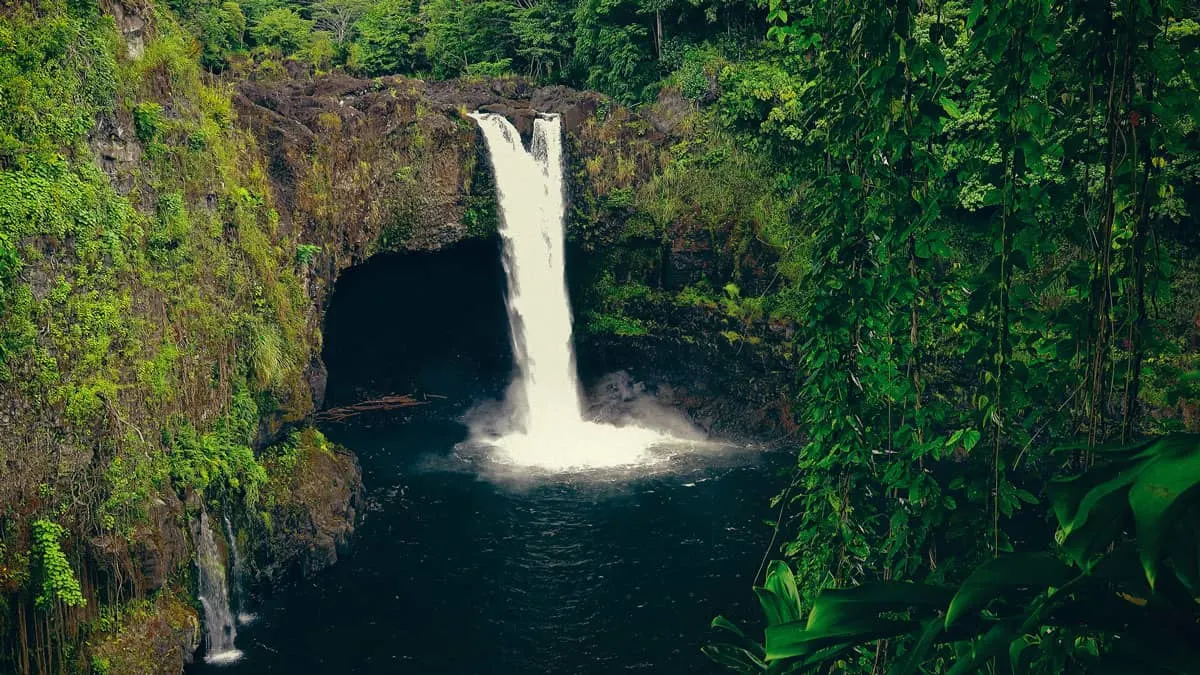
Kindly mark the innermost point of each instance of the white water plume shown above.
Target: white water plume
(220, 631)
(543, 423)
(237, 592)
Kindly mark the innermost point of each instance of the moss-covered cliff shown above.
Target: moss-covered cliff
(154, 324)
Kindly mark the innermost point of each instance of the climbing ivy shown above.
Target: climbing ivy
(58, 581)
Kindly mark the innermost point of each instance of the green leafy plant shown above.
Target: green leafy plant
(282, 28)
(147, 121)
(306, 253)
(1119, 590)
(498, 68)
(58, 580)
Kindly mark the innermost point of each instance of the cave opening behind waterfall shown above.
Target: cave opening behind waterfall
(431, 325)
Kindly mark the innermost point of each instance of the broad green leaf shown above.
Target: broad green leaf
(1018, 649)
(782, 583)
(1067, 494)
(993, 578)
(1157, 489)
(973, 14)
(993, 643)
(793, 639)
(774, 607)
(1093, 495)
(839, 606)
(970, 439)
(733, 657)
(951, 108)
(911, 662)
(742, 642)
(725, 624)
(1107, 522)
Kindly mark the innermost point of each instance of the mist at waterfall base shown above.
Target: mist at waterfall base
(457, 572)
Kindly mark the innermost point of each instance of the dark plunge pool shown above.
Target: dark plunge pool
(461, 567)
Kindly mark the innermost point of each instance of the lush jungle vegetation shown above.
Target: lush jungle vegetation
(981, 220)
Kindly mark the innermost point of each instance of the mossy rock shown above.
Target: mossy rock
(155, 637)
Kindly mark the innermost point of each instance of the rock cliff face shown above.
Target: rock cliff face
(155, 637)
(314, 499)
(361, 167)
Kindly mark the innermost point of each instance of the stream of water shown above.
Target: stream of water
(220, 629)
(543, 423)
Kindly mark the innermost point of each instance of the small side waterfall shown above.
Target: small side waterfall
(220, 631)
(544, 400)
(237, 592)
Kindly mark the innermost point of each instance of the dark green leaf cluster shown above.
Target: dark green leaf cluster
(993, 198)
(621, 47)
(1025, 612)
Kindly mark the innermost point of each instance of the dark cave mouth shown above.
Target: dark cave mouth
(431, 325)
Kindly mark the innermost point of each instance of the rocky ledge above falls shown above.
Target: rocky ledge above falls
(360, 166)
(394, 163)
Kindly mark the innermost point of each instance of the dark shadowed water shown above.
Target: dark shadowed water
(462, 568)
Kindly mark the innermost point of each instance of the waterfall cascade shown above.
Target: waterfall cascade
(544, 402)
(237, 593)
(220, 631)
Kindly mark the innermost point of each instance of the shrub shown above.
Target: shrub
(147, 121)
(283, 29)
(306, 253)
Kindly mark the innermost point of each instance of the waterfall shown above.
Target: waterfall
(544, 401)
(530, 191)
(237, 593)
(220, 631)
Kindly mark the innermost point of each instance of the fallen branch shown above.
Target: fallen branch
(391, 402)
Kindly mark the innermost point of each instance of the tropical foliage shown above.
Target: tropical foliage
(621, 47)
(1117, 593)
